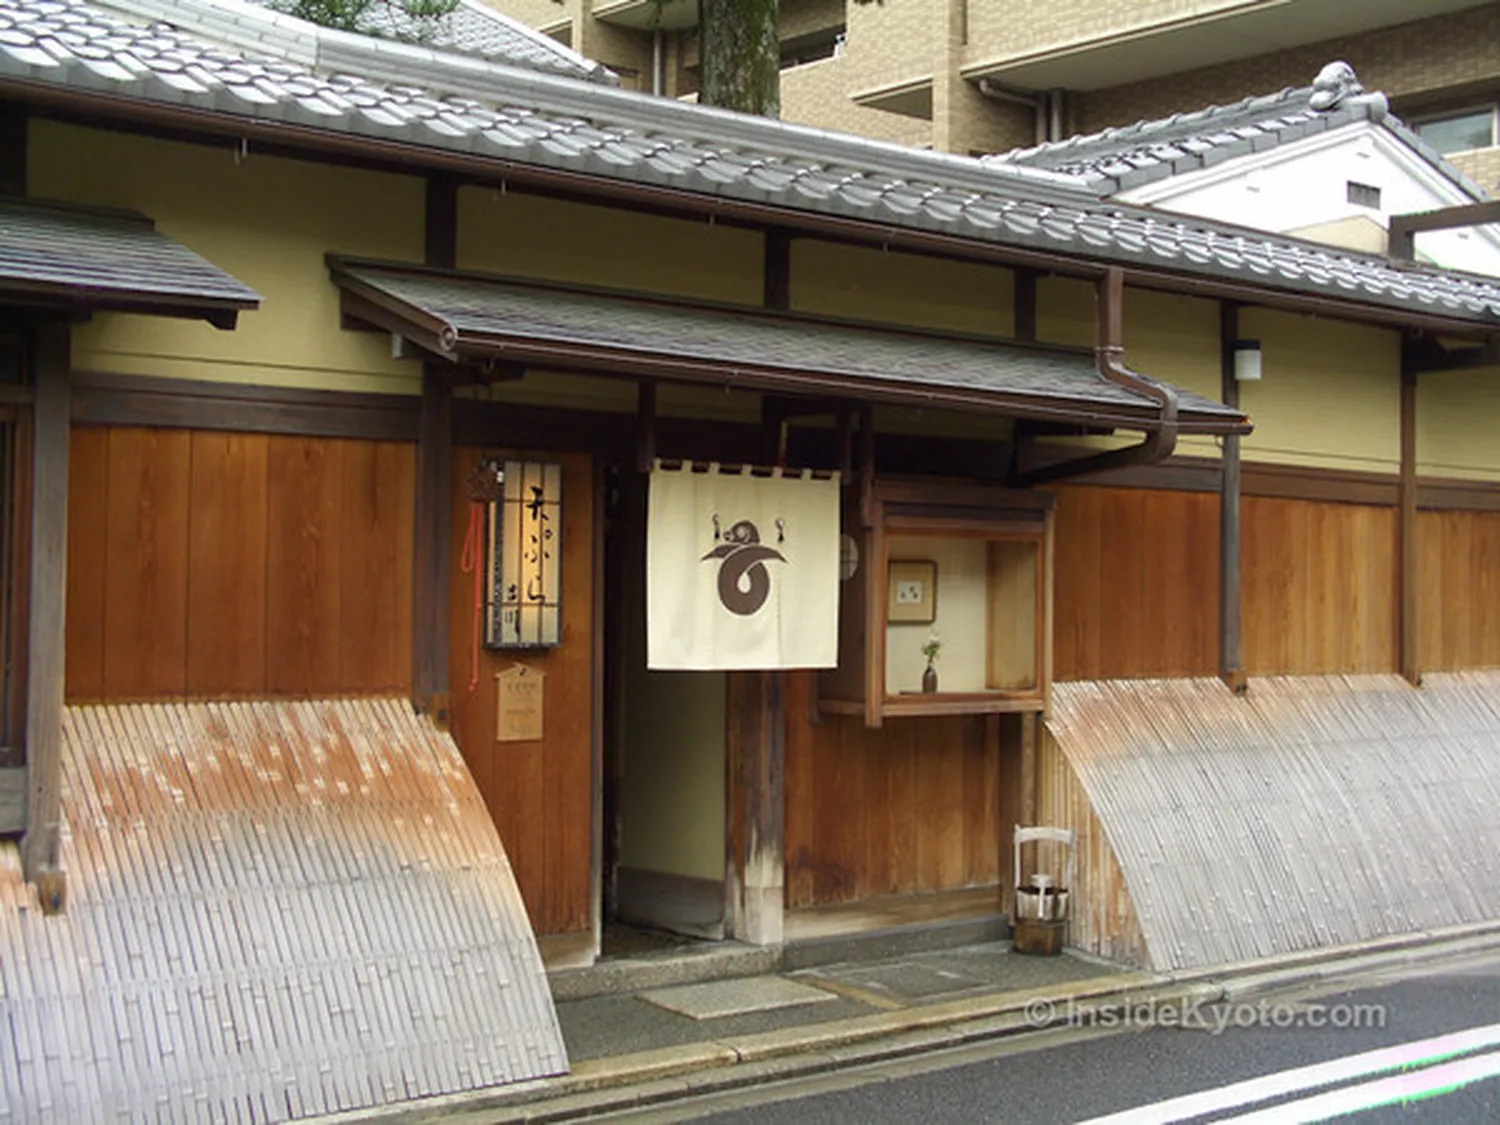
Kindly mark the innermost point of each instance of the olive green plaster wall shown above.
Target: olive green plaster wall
(886, 287)
(266, 220)
(1331, 395)
(1458, 424)
(508, 232)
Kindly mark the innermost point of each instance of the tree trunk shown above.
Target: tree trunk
(741, 55)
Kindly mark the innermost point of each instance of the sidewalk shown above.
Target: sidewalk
(649, 1040)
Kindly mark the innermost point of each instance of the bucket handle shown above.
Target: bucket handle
(1064, 836)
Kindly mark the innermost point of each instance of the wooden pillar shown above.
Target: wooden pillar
(41, 847)
(1024, 306)
(1231, 667)
(1411, 666)
(756, 751)
(755, 714)
(13, 130)
(433, 502)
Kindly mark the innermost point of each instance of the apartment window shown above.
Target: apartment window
(1460, 131)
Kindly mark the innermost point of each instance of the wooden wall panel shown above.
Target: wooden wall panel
(912, 806)
(375, 564)
(88, 483)
(1459, 590)
(226, 641)
(303, 574)
(1319, 587)
(538, 792)
(230, 565)
(1136, 583)
(146, 551)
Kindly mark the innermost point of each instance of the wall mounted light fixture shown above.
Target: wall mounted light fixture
(1247, 368)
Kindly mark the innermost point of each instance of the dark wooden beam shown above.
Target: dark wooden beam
(440, 221)
(1024, 305)
(433, 502)
(645, 426)
(430, 554)
(13, 128)
(1429, 355)
(1404, 228)
(1411, 666)
(145, 400)
(778, 270)
(41, 846)
(1231, 669)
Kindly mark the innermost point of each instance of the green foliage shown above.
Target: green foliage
(352, 15)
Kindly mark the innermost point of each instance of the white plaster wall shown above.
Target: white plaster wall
(1305, 184)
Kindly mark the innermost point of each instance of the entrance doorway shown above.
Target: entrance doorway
(664, 754)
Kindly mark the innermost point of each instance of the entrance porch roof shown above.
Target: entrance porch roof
(468, 316)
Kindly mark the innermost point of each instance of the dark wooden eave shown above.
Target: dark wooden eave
(73, 260)
(473, 318)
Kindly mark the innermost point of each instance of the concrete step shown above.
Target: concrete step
(694, 962)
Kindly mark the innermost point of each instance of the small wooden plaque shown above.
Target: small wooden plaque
(518, 698)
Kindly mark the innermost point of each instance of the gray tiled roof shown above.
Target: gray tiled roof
(472, 28)
(482, 313)
(527, 118)
(1129, 156)
(106, 258)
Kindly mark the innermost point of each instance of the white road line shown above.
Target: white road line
(1423, 1052)
(1412, 1087)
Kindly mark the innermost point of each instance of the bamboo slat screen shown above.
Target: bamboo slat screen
(1313, 811)
(234, 565)
(1101, 915)
(916, 805)
(1137, 583)
(538, 792)
(1459, 591)
(276, 911)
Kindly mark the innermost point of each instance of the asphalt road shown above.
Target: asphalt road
(1084, 1072)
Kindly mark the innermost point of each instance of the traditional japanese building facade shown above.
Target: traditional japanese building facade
(511, 266)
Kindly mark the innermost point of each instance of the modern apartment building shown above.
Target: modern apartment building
(975, 76)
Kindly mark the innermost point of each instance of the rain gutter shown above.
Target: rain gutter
(1161, 437)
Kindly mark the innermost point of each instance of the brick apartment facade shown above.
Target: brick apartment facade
(983, 76)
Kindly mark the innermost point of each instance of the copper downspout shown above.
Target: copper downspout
(1160, 439)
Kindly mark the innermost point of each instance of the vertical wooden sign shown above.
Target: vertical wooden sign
(518, 710)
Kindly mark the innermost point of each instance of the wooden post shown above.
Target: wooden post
(1411, 666)
(756, 706)
(13, 121)
(1024, 306)
(433, 502)
(1029, 781)
(1231, 667)
(41, 846)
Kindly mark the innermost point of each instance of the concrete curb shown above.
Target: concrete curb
(651, 1077)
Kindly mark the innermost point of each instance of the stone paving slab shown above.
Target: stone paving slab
(938, 974)
(716, 999)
